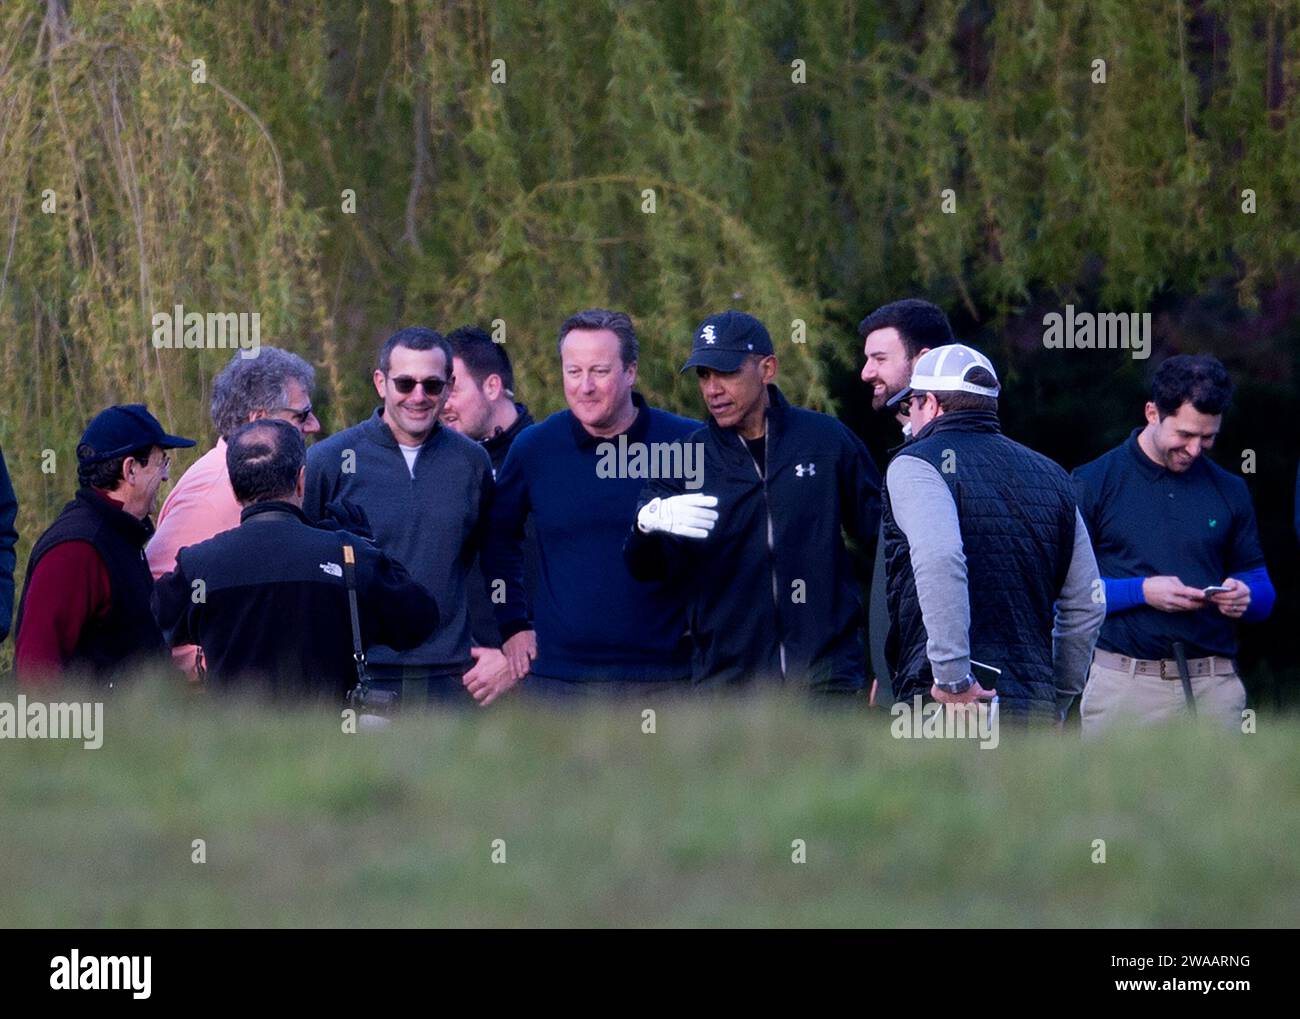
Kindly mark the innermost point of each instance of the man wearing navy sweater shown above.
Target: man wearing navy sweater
(1168, 524)
(424, 490)
(578, 475)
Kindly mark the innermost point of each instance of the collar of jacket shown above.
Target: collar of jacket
(507, 435)
(777, 408)
(636, 432)
(377, 428)
(133, 529)
(272, 509)
(961, 421)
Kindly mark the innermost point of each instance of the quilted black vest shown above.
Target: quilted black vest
(129, 630)
(1017, 514)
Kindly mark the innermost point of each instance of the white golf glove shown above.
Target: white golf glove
(687, 516)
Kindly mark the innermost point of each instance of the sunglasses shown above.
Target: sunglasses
(404, 384)
(299, 417)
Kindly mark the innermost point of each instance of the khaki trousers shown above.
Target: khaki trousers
(1113, 695)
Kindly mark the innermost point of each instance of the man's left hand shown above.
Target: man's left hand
(491, 675)
(1233, 603)
(970, 695)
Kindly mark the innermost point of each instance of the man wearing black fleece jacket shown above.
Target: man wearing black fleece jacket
(759, 535)
(273, 618)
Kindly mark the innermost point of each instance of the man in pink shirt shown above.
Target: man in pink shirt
(274, 384)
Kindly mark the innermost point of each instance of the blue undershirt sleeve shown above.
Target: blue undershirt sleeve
(1262, 594)
(1123, 593)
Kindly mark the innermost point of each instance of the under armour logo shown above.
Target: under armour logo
(708, 335)
(333, 569)
(800, 470)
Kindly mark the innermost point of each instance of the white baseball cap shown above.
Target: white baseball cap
(944, 370)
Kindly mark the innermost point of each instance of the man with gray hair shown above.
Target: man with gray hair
(275, 384)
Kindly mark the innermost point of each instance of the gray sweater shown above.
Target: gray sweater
(432, 522)
(926, 514)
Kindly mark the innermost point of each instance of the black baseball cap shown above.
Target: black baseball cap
(118, 430)
(723, 341)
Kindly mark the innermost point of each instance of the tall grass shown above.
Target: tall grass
(604, 824)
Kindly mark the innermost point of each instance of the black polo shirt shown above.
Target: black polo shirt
(1146, 521)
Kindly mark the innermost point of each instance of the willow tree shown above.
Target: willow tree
(137, 179)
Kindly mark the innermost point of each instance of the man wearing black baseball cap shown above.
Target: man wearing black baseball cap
(85, 602)
(772, 594)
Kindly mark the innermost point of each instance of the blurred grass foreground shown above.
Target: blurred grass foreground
(523, 816)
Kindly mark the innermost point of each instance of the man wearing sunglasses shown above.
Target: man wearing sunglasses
(424, 490)
(275, 384)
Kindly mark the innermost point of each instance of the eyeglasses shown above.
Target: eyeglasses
(432, 386)
(298, 417)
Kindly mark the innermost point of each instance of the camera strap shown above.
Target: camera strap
(358, 651)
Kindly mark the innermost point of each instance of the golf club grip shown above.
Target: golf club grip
(1180, 656)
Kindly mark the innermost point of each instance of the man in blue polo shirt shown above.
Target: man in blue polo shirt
(578, 475)
(1167, 524)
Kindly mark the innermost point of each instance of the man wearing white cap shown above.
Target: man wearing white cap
(987, 558)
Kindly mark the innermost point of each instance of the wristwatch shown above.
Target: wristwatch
(961, 686)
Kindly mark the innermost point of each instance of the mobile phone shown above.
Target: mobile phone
(987, 675)
(1216, 589)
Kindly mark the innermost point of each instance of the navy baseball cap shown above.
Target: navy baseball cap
(722, 342)
(118, 430)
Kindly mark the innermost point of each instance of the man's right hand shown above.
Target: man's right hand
(687, 516)
(521, 649)
(1169, 594)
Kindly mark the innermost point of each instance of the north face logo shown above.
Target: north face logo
(800, 470)
(708, 335)
(333, 569)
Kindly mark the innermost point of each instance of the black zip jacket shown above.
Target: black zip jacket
(271, 613)
(773, 596)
